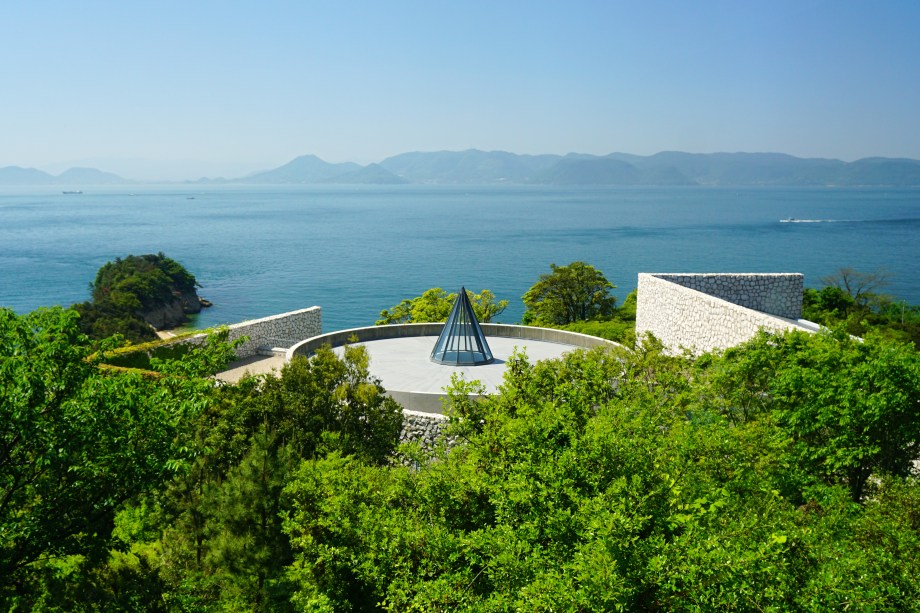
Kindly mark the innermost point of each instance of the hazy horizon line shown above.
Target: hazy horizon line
(151, 170)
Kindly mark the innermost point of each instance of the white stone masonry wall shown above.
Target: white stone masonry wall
(683, 317)
(282, 330)
(426, 428)
(774, 293)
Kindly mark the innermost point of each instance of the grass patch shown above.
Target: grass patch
(138, 356)
(616, 330)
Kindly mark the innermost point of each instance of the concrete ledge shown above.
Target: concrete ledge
(420, 403)
(436, 418)
(547, 335)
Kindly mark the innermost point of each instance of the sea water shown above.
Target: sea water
(354, 250)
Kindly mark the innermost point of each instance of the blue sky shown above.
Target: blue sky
(191, 88)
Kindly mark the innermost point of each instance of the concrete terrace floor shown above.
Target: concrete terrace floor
(403, 364)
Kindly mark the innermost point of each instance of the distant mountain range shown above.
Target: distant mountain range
(474, 167)
(14, 175)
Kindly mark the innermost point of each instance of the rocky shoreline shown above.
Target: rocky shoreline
(175, 313)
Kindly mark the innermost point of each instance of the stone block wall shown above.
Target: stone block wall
(778, 294)
(426, 428)
(282, 331)
(682, 316)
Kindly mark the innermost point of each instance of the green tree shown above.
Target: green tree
(223, 546)
(575, 292)
(100, 320)
(151, 279)
(434, 305)
(830, 303)
(850, 300)
(849, 407)
(78, 441)
(633, 481)
(246, 550)
(861, 287)
(853, 407)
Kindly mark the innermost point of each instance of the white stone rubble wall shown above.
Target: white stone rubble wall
(682, 317)
(281, 331)
(778, 294)
(426, 428)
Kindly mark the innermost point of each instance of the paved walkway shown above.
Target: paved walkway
(255, 365)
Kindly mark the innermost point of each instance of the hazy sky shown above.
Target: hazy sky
(230, 87)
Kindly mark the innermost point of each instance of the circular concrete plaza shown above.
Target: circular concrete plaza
(405, 364)
(400, 356)
(406, 371)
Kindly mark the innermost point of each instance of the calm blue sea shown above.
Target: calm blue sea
(258, 251)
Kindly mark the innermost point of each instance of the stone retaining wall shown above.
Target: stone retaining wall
(426, 428)
(671, 307)
(281, 331)
(778, 294)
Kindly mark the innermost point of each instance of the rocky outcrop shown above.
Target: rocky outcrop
(173, 313)
(191, 302)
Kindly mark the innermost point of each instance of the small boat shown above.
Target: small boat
(72, 192)
(788, 220)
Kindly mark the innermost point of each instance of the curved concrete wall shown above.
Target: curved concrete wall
(375, 333)
(420, 403)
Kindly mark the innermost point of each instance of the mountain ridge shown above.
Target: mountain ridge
(77, 176)
(474, 166)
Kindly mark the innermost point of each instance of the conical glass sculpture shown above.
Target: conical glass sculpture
(462, 342)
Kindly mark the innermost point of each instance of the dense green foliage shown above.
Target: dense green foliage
(777, 475)
(150, 279)
(78, 442)
(100, 320)
(575, 292)
(144, 492)
(852, 300)
(127, 287)
(141, 355)
(619, 326)
(434, 305)
(221, 543)
(639, 482)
